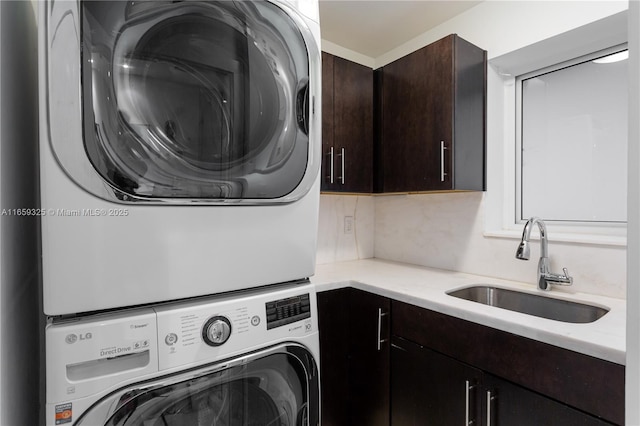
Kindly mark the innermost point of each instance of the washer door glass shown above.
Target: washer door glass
(276, 389)
(196, 100)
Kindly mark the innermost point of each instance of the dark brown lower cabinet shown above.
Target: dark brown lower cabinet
(504, 403)
(385, 362)
(333, 320)
(354, 357)
(527, 382)
(428, 388)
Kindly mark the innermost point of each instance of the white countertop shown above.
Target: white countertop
(426, 287)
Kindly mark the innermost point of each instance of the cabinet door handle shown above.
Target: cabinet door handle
(442, 150)
(393, 345)
(343, 170)
(490, 399)
(380, 339)
(467, 403)
(342, 156)
(330, 165)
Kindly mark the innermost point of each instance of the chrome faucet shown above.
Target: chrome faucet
(545, 276)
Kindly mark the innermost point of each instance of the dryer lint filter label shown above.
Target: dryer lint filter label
(64, 413)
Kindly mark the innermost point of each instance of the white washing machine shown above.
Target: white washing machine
(251, 359)
(180, 148)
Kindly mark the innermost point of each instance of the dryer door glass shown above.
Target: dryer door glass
(278, 389)
(195, 100)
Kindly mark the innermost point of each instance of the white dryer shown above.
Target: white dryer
(180, 148)
(251, 359)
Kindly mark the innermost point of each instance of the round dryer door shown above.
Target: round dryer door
(196, 100)
(276, 387)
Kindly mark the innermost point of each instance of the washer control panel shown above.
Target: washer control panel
(221, 326)
(285, 311)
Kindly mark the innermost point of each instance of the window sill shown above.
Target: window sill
(559, 235)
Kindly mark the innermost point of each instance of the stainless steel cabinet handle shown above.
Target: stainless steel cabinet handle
(342, 156)
(442, 150)
(380, 339)
(490, 399)
(467, 403)
(331, 165)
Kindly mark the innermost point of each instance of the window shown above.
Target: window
(571, 141)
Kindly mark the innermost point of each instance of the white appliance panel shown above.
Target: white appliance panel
(107, 261)
(248, 324)
(92, 357)
(99, 253)
(86, 356)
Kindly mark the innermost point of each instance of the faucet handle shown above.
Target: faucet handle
(555, 279)
(566, 279)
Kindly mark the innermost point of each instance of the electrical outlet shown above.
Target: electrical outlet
(348, 225)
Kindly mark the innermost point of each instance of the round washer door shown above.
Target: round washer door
(278, 386)
(193, 101)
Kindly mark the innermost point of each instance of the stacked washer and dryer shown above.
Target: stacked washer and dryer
(180, 158)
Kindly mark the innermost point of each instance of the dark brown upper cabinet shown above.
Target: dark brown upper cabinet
(347, 126)
(430, 119)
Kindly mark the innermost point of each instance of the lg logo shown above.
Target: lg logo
(72, 338)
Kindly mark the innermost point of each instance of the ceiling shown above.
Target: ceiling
(373, 28)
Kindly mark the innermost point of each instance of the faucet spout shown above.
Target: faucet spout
(545, 276)
(524, 252)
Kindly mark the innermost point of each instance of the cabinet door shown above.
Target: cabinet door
(369, 359)
(433, 118)
(506, 404)
(333, 320)
(417, 105)
(328, 175)
(428, 388)
(347, 125)
(353, 126)
(354, 358)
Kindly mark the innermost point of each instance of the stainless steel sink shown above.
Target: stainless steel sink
(532, 304)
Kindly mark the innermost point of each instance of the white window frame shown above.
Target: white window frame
(500, 199)
(573, 225)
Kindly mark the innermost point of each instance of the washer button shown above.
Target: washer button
(171, 339)
(255, 320)
(216, 331)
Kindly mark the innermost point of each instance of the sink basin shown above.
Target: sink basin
(531, 304)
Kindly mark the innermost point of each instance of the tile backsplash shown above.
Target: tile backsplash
(335, 244)
(446, 231)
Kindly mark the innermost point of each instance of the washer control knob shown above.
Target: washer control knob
(216, 331)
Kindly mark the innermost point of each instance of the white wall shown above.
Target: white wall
(633, 229)
(520, 23)
(349, 54)
(501, 27)
(1, 204)
(334, 243)
(21, 385)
